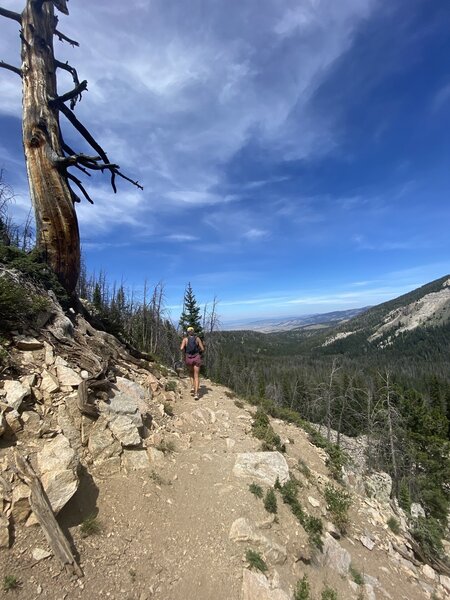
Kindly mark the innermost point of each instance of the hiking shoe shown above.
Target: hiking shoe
(192, 391)
(196, 397)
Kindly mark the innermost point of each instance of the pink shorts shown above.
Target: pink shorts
(193, 359)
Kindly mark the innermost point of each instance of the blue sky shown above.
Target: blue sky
(295, 154)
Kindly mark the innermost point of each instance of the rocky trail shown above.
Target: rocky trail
(167, 479)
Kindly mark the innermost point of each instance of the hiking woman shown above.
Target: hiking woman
(193, 346)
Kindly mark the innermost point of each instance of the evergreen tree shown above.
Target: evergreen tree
(190, 317)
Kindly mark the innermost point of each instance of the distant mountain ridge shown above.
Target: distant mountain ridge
(315, 320)
(385, 324)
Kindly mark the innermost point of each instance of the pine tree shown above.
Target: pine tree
(190, 317)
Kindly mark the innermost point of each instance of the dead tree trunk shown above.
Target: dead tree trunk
(48, 157)
(56, 221)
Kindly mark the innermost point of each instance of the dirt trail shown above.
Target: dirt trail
(165, 533)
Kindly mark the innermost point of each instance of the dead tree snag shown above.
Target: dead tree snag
(48, 158)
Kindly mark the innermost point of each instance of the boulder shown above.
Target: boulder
(49, 382)
(262, 466)
(20, 505)
(242, 531)
(101, 444)
(135, 460)
(49, 357)
(23, 342)
(256, 586)
(379, 486)
(124, 430)
(417, 510)
(68, 427)
(334, 556)
(58, 463)
(4, 532)
(16, 392)
(67, 377)
(13, 421)
(445, 582)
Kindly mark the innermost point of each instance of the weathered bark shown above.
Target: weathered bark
(56, 220)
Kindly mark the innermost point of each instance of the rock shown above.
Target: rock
(40, 554)
(256, 586)
(125, 431)
(445, 582)
(135, 392)
(230, 443)
(3, 424)
(20, 503)
(61, 326)
(135, 460)
(154, 455)
(67, 376)
(13, 421)
(49, 358)
(102, 444)
(58, 463)
(71, 432)
(242, 531)
(262, 466)
(379, 486)
(4, 531)
(23, 342)
(367, 542)
(31, 422)
(313, 502)
(429, 572)
(105, 468)
(122, 405)
(49, 382)
(332, 530)
(368, 592)
(417, 510)
(15, 393)
(334, 556)
(84, 374)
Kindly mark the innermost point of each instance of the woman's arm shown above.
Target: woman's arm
(200, 344)
(183, 344)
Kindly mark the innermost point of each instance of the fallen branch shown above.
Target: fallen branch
(44, 514)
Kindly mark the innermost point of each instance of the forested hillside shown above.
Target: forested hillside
(397, 395)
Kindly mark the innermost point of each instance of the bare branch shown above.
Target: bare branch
(74, 95)
(9, 14)
(11, 68)
(64, 38)
(80, 185)
(114, 169)
(61, 5)
(70, 69)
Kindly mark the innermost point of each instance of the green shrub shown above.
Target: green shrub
(171, 386)
(10, 582)
(356, 575)
(428, 533)
(312, 525)
(393, 525)
(329, 594)
(90, 526)
(270, 501)
(338, 501)
(404, 496)
(168, 409)
(302, 589)
(304, 469)
(256, 490)
(255, 561)
(16, 307)
(263, 430)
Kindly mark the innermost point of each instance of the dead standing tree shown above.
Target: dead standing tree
(48, 157)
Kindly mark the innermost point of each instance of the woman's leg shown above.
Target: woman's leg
(196, 379)
(191, 376)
